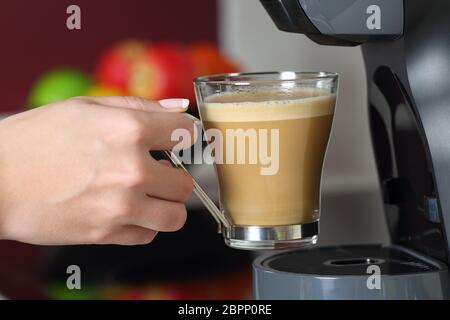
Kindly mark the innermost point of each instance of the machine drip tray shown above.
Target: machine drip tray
(350, 272)
(350, 260)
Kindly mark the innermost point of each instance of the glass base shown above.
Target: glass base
(271, 238)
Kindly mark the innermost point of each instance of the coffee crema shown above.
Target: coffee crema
(292, 195)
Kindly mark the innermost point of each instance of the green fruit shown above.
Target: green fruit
(58, 85)
(59, 291)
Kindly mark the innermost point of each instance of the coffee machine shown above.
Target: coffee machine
(406, 50)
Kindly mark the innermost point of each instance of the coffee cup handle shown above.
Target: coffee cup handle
(198, 190)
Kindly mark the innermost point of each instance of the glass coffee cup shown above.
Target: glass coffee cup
(268, 134)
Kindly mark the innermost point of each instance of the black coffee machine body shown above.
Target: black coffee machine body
(406, 49)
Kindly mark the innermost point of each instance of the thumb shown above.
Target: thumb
(138, 103)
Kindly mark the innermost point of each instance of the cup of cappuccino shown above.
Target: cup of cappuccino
(268, 134)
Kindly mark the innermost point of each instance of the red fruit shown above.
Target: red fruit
(165, 71)
(207, 59)
(114, 67)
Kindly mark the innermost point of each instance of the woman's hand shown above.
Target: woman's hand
(79, 172)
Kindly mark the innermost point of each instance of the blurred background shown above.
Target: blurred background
(154, 49)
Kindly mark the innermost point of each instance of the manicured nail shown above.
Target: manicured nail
(174, 103)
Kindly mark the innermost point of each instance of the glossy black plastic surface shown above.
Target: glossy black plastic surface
(350, 260)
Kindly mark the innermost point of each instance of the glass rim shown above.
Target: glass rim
(250, 78)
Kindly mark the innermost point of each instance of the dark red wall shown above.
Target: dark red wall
(34, 37)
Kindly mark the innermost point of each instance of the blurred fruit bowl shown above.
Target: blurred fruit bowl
(153, 71)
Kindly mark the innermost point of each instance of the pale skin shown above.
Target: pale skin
(79, 172)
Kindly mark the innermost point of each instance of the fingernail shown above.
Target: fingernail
(174, 103)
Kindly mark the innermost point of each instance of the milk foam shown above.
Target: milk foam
(269, 106)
